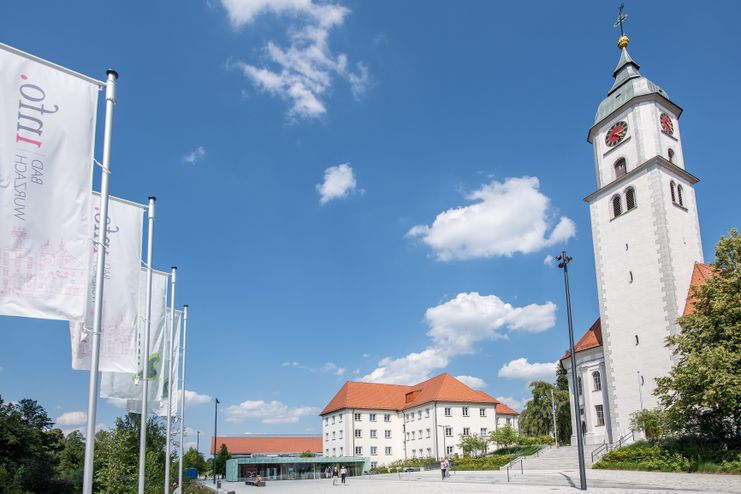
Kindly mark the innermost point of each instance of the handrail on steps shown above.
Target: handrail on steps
(607, 447)
(511, 464)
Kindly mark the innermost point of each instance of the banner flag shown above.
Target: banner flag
(128, 385)
(47, 130)
(118, 350)
(158, 405)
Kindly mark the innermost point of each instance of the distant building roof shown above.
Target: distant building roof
(270, 445)
(503, 409)
(701, 273)
(591, 339)
(396, 397)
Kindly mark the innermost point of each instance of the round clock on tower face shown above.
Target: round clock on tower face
(616, 134)
(666, 123)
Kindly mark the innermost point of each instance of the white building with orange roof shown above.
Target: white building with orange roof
(389, 422)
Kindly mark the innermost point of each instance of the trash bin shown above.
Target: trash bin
(218, 484)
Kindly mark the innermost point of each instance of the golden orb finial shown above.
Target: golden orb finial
(623, 41)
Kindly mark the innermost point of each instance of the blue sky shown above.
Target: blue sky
(301, 158)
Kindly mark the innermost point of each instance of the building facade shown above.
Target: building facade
(646, 237)
(389, 422)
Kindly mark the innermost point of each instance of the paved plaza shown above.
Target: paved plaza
(542, 481)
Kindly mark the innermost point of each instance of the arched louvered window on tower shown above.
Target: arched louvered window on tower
(671, 155)
(620, 168)
(673, 188)
(680, 199)
(617, 207)
(630, 198)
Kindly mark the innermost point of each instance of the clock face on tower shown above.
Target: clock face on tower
(666, 123)
(616, 134)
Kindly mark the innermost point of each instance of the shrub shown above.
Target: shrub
(687, 454)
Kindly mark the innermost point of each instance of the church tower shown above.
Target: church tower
(646, 236)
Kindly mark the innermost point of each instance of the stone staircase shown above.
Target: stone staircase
(564, 459)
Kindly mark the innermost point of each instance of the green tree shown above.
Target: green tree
(563, 407)
(117, 457)
(72, 461)
(29, 449)
(702, 393)
(221, 460)
(537, 417)
(308, 454)
(654, 423)
(504, 437)
(194, 459)
(473, 445)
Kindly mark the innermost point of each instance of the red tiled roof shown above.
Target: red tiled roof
(376, 396)
(701, 273)
(269, 445)
(503, 409)
(591, 339)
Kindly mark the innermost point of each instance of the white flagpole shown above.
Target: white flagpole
(171, 361)
(147, 326)
(182, 398)
(92, 399)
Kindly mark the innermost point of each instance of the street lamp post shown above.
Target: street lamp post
(445, 450)
(563, 262)
(198, 441)
(216, 414)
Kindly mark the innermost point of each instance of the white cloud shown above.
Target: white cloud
(413, 368)
(329, 367)
(304, 71)
(71, 418)
(193, 398)
(506, 218)
(195, 155)
(472, 381)
(339, 181)
(512, 402)
(522, 369)
(456, 326)
(272, 412)
(548, 261)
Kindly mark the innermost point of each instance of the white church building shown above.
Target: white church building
(647, 246)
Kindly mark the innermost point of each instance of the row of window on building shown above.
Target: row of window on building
(596, 381)
(359, 451)
(599, 411)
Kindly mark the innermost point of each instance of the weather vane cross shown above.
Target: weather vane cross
(621, 18)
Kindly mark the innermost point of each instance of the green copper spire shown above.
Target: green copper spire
(629, 83)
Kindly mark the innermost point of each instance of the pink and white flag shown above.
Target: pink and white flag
(118, 332)
(47, 127)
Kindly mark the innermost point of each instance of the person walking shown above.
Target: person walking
(444, 467)
(343, 474)
(335, 473)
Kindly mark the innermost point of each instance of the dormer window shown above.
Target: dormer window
(620, 168)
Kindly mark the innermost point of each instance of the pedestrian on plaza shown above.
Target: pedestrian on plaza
(335, 474)
(343, 473)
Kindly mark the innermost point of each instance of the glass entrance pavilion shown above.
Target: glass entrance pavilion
(291, 467)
